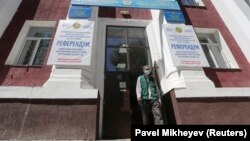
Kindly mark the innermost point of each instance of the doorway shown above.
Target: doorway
(127, 51)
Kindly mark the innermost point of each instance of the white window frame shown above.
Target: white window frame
(38, 41)
(22, 38)
(196, 3)
(221, 47)
(8, 9)
(213, 48)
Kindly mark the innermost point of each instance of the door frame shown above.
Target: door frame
(101, 50)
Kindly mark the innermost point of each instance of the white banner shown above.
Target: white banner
(184, 46)
(72, 44)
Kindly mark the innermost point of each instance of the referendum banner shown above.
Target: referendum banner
(184, 46)
(72, 44)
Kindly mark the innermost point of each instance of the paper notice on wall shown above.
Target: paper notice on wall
(72, 44)
(122, 85)
(184, 46)
(122, 50)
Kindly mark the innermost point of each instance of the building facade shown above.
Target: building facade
(49, 92)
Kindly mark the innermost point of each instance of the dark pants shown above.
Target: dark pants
(149, 108)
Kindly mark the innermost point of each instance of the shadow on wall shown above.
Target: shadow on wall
(47, 119)
(108, 12)
(25, 11)
(213, 76)
(214, 111)
(168, 109)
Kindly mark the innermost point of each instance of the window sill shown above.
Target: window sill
(222, 69)
(26, 66)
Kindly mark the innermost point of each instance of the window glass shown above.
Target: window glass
(184, 2)
(116, 42)
(27, 52)
(126, 49)
(116, 59)
(202, 39)
(41, 52)
(36, 46)
(141, 55)
(206, 38)
(218, 56)
(40, 32)
(137, 37)
(208, 56)
(191, 2)
(116, 36)
(188, 2)
(212, 50)
(211, 38)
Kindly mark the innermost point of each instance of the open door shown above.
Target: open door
(127, 51)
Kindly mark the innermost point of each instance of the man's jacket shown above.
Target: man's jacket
(146, 88)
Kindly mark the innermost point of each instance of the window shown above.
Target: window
(211, 50)
(32, 44)
(192, 2)
(36, 46)
(215, 48)
(127, 49)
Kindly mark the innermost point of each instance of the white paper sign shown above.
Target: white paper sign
(122, 85)
(72, 44)
(184, 46)
(122, 50)
(121, 66)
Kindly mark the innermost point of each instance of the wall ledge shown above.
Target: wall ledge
(10, 92)
(213, 93)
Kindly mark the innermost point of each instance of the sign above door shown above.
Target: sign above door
(148, 4)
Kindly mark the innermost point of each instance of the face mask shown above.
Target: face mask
(146, 72)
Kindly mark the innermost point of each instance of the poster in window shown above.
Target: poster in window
(72, 44)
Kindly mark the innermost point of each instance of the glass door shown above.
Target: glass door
(127, 51)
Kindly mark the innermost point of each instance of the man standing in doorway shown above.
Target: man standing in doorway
(148, 97)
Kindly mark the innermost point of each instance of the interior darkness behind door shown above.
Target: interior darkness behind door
(127, 51)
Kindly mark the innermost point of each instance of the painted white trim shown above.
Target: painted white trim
(200, 3)
(225, 51)
(20, 41)
(236, 21)
(8, 9)
(178, 77)
(46, 93)
(197, 2)
(244, 7)
(212, 93)
(123, 22)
